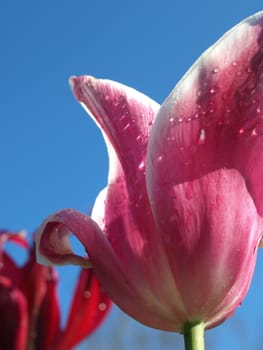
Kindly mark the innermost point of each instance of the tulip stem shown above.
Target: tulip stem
(194, 336)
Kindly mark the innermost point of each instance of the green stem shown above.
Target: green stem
(194, 336)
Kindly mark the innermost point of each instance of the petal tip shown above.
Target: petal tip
(72, 81)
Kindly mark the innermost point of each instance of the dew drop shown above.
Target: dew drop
(212, 91)
(234, 64)
(141, 165)
(102, 307)
(254, 132)
(201, 137)
(180, 120)
(241, 131)
(215, 70)
(87, 294)
(171, 120)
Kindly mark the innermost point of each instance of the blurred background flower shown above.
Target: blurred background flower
(29, 304)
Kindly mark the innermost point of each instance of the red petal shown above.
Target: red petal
(39, 285)
(14, 317)
(89, 307)
(17, 237)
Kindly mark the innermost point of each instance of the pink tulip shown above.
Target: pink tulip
(29, 308)
(174, 236)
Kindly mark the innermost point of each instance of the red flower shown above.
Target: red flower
(173, 238)
(29, 308)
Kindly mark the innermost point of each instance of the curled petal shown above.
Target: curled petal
(16, 237)
(122, 287)
(100, 252)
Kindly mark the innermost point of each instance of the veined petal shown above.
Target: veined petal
(213, 118)
(204, 173)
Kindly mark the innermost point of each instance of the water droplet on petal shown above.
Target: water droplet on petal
(141, 166)
(254, 132)
(215, 70)
(126, 127)
(87, 294)
(102, 307)
(201, 137)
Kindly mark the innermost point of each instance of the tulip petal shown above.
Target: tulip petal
(122, 287)
(215, 114)
(125, 117)
(204, 172)
(89, 307)
(130, 242)
(14, 317)
(103, 258)
(39, 286)
(122, 210)
(123, 114)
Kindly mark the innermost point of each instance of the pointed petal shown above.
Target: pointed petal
(89, 307)
(213, 118)
(125, 117)
(123, 114)
(122, 210)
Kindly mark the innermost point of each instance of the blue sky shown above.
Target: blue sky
(52, 155)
